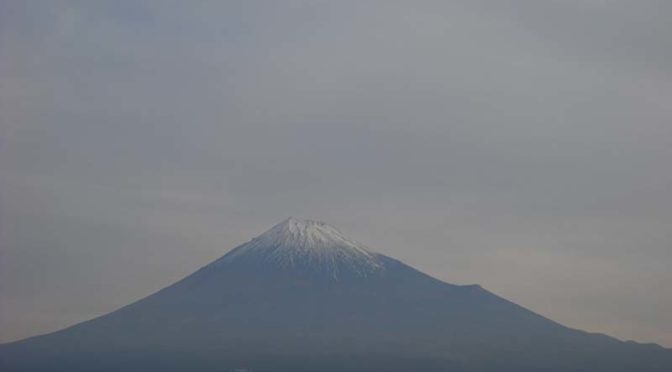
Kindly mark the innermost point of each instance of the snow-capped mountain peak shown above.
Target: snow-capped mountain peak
(308, 244)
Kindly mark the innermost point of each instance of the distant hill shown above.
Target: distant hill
(303, 297)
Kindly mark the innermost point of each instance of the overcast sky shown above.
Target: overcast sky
(522, 145)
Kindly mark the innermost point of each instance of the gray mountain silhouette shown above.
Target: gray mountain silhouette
(303, 297)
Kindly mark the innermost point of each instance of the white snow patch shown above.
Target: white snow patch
(295, 242)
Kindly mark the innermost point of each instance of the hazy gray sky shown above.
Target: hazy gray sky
(522, 145)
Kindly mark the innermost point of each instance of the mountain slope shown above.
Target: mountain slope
(304, 297)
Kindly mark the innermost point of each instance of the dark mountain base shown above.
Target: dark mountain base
(168, 363)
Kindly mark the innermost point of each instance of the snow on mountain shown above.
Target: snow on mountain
(297, 243)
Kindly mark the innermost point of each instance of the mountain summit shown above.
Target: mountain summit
(303, 297)
(308, 245)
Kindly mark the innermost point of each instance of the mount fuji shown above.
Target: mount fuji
(304, 297)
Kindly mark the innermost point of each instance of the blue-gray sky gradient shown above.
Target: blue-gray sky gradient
(523, 145)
